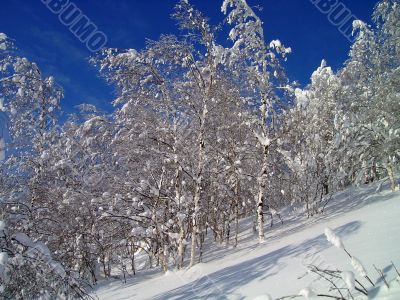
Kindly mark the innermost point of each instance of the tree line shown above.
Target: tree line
(202, 135)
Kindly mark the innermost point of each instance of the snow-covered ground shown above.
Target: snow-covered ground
(367, 222)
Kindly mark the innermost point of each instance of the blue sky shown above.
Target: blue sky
(41, 37)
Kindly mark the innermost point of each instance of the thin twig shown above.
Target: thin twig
(365, 292)
(397, 271)
(330, 296)
(289, 297)
(321, 274)
(366, 276)
(381, 275)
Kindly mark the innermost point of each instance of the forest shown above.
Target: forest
(205, 130)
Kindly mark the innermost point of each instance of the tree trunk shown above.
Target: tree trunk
(228, 228)
(260, 215)
(260, 202)
(390, 170)
(195, 223)
(237, 202)
(201, 242)
(164, 257)
(197, 193)
(373, 172)
(181, 246)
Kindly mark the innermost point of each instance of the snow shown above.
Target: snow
(307, 293)
(3, 266)
(262, 139)
(275, 44)
(358, 266)
(301, 97)
(349, 278)
(3, 258)
(383, 293)
(333, 238)
(2, 149)
(278, 267)
(3, 45)
(263, 297)
(358, 24)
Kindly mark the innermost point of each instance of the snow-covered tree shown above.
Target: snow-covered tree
(308, 144)
(264, 83)
(30, 102)
(369, 119)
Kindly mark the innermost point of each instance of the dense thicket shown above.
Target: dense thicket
(201, 136)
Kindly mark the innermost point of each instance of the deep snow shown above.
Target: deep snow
(366, 221)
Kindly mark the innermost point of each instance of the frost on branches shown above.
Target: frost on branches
(203, 133)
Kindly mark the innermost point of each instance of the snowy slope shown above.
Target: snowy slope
(367, 222)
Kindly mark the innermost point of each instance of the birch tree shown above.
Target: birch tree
(370, 108)
(263, 78)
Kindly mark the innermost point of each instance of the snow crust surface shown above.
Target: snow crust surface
(364, 220)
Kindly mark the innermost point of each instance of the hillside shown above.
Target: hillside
(367, 221)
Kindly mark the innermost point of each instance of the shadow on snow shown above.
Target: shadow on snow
(218, 284)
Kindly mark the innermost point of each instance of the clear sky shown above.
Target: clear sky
(40, 36)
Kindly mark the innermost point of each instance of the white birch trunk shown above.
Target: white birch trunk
(392, 179)
(261, 194)
(181, 246)
(198, 178)
(261, 179)
(195, 223)
(237, 203)
(260, 216)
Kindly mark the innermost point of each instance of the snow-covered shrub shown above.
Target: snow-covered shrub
(349, 284)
